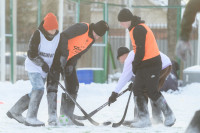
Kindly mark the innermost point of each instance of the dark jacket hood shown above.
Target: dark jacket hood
(48, 36)
(135, 21)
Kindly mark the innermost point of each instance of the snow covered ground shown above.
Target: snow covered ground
(184, 103)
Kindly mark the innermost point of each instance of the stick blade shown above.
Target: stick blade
(107, 123)
(76, 122)
(117, 124)
(92, 121)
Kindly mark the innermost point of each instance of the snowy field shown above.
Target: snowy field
(184, 103)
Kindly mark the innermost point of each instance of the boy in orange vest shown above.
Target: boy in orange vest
(75, 41)
(146, 67)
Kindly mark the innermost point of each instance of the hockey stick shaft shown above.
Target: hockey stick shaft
(124, 116)
(98, 109)
(83, 111)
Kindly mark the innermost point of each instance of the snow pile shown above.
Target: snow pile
(192, 69)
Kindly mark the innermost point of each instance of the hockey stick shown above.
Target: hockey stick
(83, 111)
(122, 120)
(76, 122)
(98, 109)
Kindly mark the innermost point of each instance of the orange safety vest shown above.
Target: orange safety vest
(79, 44)
(151, 47)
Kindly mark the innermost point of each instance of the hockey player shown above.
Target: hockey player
(146, 67)
(126, 57)
(75, 41)
(42, 47)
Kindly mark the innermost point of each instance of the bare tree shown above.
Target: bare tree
(172, 27)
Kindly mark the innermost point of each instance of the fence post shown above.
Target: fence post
(78, 11)
(106, 63)
(198, 51)
(39, 13)
(127, 39)
(111, 56)
(14, 41)
(3, 38)
(11, 43)
(61, 15)
(105, 13)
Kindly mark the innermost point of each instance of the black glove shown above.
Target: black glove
(45, 67)
(52, 81)
(112, 98)
(130, 86)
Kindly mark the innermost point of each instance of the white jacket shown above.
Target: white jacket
(127, 72)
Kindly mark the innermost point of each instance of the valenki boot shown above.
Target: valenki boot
(66, 109)
(31, 117)
(20, 106)
(52, 108)
(143, 114)
(164, 107)
(157, 117)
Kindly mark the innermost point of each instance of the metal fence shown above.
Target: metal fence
(91, 12)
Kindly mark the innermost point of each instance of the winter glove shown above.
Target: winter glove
(130, 86)
(45, 67)
(112, 98)
(37, 61)
(63, 61)
(52, 83)
(182, 48)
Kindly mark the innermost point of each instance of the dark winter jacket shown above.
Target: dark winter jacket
(171, 83)
(139, 34)
(34, 44)
(192, 8)
(72, 32)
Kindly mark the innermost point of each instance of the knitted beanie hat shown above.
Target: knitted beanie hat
(100, 28)
(121, 51)
(125, 15)
(50, 22)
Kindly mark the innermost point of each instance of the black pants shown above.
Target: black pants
(52, 84)
(71, 79)
(147, 80)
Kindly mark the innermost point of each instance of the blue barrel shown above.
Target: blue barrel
(85, 76)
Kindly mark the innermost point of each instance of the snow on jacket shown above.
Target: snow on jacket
(127, 69)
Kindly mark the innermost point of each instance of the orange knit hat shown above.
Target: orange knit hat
(50, 22)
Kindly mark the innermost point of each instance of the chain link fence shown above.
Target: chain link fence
(91, 12)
